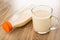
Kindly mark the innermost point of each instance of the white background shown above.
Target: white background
(20, 4)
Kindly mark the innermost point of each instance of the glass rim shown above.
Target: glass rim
(50, 8)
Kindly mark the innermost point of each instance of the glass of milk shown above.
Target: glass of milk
(42, 19)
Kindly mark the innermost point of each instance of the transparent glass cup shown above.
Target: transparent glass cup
(43, 20)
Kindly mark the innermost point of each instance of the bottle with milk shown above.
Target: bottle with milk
(17, 20)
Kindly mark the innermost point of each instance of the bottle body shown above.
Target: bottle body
(17, 20)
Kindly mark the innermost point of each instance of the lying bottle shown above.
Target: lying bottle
(17, 20)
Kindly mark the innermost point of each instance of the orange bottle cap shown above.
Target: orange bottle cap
(7, 26)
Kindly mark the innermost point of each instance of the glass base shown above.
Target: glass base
(42, 32)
